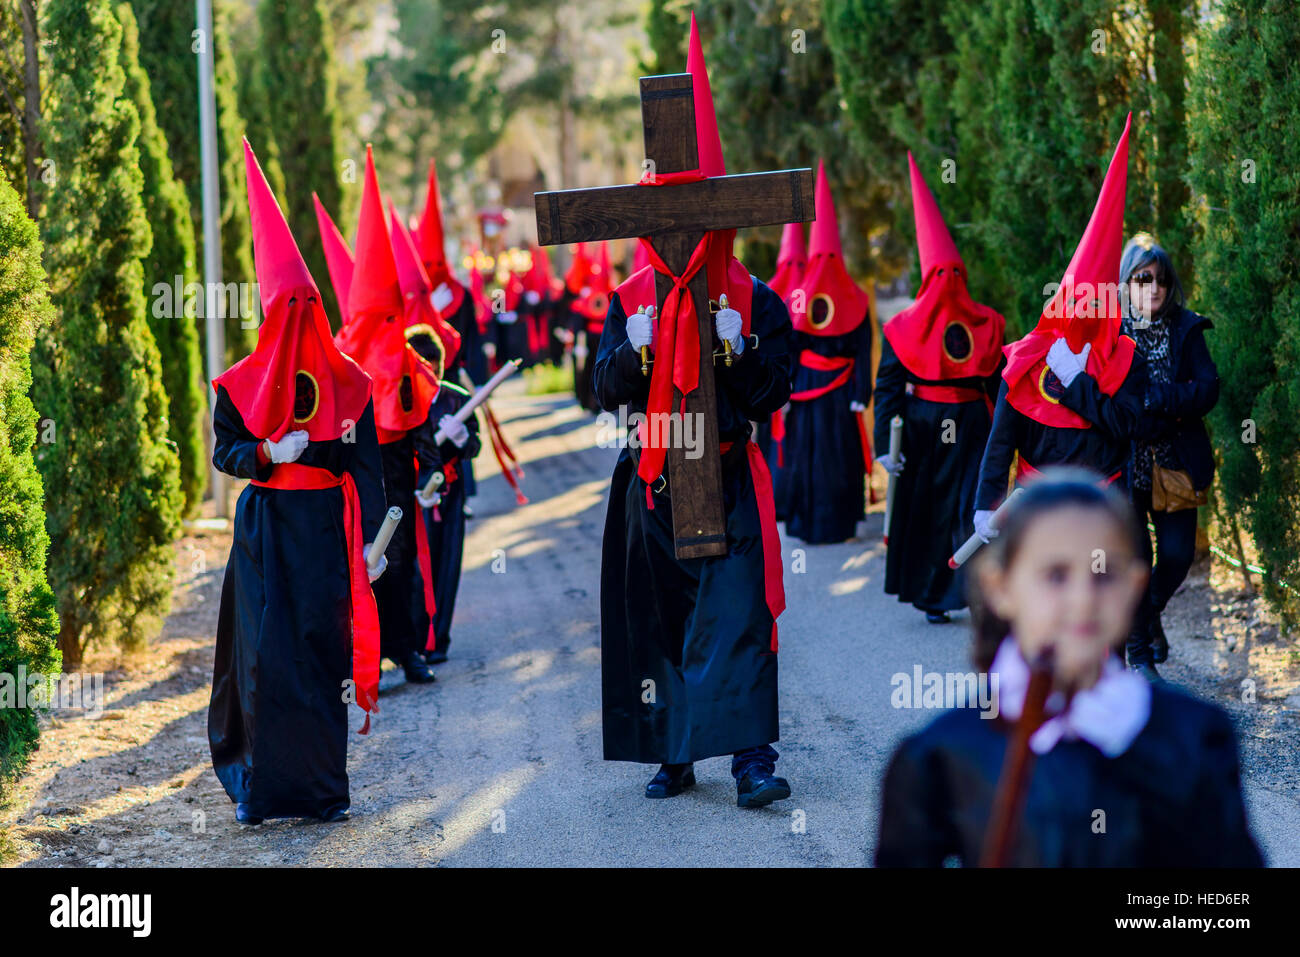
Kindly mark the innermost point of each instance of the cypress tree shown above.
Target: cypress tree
(115, 498)
(168, 55)
(168, 270)
(28, 625)
(1248, 263)
(299, 85)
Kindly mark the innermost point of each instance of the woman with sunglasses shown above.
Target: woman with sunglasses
(1183, 386)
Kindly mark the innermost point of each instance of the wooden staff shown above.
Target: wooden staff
(1013, 783)
(380, 544)
(895, 450)
(972, 544)
(466, 410)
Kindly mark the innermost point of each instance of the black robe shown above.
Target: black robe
(934, 498)
(700, 629)
(824, 484)
(1173, 799)
(277, 721)
(470, 357)
(398, 603)
(1104, 447)
(446, 531)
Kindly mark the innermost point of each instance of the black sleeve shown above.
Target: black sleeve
(912, 832)
(1194, 399)
(1120, 415)
(891, 383)
(235, 449)
(616, 377)
(860, 387)
(758, 381)
(993, 381)
(1223, 837)
(427, 455)
(995, 467)
(367, 469)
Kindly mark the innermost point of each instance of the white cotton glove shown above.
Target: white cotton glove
(507, 318)
(856, 406)
(373, 573)
(640, 328)
(729, 324)
(533, 297)
(288, 448)
(1065, 363)
(431, 501)
(457, 432)
(887, 462)
(984, 525)
(442, 297)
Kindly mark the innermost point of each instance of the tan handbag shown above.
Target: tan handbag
(1172, 490)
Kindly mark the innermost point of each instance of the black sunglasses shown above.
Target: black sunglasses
(1146, 278)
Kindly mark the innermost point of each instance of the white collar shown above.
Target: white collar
(1109, 715)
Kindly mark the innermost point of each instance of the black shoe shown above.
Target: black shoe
(334, 815)
(759, 788)
(244, 816)
(671, 780)
(417, 672)
(1159, 643)
(1148, 671)
(937, 617)
(435, 657)
(467, 511)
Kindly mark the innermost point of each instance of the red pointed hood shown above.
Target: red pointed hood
(296, 378)
(933, 241)
(579, 270)
(338, 256)
(404, 384)
(709, 146)
(828, 302)
(791, 261)
(599, 283)
(432, 243)
(944, 334)
(1085, 309)
(419, 312)
(538, 278)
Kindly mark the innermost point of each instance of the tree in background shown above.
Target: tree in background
(1245, 123)
(666, 26)
(168, 55)
(298, 81)
(28, 624)
(170, 263)
(114, 497)
(792, 118)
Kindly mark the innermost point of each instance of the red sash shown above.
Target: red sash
(1024, 470)
(814, 360)
(426, 564)
(365, 615)
(952, 394)
(773, 573)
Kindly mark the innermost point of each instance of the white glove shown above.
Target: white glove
(507, 318)
(442, 297)
(984, 525)
(432, 501)
(288, 448)
(1065, 363)
(856, 406)
(889, 465)
(532, 297)
(373, 573)
(640, 328)
(729, 325)
(455, 430)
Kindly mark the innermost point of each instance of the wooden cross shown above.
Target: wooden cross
(675, 219)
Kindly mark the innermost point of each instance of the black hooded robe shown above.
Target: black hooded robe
(934, 498)
(698, 630)
(1172, 799)
(824, 483)
(277, 720)
(446, 529)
